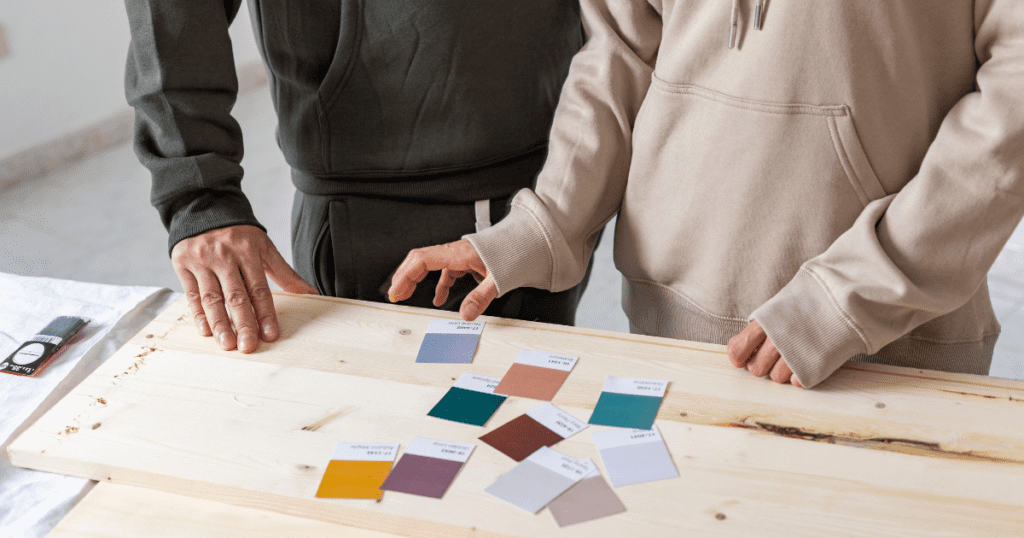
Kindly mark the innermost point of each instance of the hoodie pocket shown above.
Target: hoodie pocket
(727, 197)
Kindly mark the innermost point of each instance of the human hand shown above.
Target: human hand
(225, 269)
(454, 260)
(752, 349)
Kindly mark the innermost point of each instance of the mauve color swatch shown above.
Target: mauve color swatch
(529, 381)
(421, 475)
(521, 437)
(589, 499)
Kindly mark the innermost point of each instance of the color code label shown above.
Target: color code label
(556, 420)
(546, 360)
(635, 387)
(436, 448)
(478, 383)
(365, 451)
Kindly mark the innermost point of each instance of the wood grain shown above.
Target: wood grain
(171, 412)
(115, 511)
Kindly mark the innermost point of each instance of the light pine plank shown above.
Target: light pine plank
(115, 511)
(872, 405)
(170, 412)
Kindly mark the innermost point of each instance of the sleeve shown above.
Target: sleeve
(180, 79)
(925, 251)
(548, 237)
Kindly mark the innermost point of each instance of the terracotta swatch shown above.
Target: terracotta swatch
(542, 426)
(591, 498)
(536, 375)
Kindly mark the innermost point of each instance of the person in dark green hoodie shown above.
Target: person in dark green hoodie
(406, 124)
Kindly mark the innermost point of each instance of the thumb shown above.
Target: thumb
(283, 274)
(479, 299)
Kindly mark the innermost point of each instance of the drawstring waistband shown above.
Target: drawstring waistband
(735, 17)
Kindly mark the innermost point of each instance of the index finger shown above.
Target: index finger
(417, 264)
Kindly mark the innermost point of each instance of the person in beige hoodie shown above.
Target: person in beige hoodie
(810, 182)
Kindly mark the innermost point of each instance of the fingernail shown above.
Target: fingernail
(245, 342)
(222, 339)
(472, 310)
(392, 296)
(266, 329)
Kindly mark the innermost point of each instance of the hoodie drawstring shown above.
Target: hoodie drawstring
(735, 17)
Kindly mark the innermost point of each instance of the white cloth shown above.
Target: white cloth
(34, 502)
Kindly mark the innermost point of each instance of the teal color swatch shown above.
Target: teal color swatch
(625, 410)
(467, 406)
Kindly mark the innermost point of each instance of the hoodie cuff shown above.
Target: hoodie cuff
(809, 329)
(516, 251)
(206, 210)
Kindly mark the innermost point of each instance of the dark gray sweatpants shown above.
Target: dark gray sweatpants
(349, 246)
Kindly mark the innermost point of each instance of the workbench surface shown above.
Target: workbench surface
(875, 450)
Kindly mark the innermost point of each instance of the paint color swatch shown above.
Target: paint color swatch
(543, 425)
(450, 341)
(629, 403)
(538, 479)
(471, 400)
(357, 470)
(634, 456)
(536, 374)
(427, 467)
(591, 498)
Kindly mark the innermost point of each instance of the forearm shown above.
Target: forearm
(547, 239)
(180, 78)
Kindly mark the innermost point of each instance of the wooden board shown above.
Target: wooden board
(171, 412)
(116, 511)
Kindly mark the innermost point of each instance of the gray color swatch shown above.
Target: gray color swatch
(634, 464)
(529, 486)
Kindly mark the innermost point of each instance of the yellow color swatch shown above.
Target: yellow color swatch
(354, 479)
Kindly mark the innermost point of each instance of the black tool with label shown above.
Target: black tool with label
(32, 356)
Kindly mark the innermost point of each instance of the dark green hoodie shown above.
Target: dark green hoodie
(437, 100)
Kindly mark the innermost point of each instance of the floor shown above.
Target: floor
(92, 222)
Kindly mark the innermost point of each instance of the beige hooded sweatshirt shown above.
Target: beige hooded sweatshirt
(844, 172)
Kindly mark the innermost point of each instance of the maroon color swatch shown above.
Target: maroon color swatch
(520, 437)
(421, 475)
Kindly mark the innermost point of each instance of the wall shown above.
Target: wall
(65, 67)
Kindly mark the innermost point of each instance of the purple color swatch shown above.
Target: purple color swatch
(422, 475)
